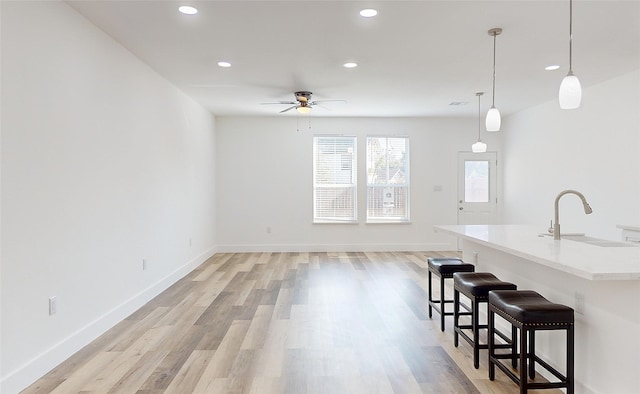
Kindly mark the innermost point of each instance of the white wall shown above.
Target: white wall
(264, 178)
(593, 149)
(104, 164)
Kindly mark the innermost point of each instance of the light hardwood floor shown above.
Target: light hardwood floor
(283, 323)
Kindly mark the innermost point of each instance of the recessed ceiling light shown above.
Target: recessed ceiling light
(350, 65)
(552, 67)
(224, 64)
(368, 13)
(185, 9)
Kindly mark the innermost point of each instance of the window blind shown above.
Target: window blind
(387, 179)
(334, 179)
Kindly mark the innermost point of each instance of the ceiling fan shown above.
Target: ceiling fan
(303, 102)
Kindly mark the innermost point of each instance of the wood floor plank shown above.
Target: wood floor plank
(126, 361)
(183, 344)
(84, 373)
(273, 323)
(138, 373)
(270, 361)
(238, 379)
(134, 332)
(222, 360)
(189, 375)
(258, 329)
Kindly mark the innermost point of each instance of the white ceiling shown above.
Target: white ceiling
(415, 57)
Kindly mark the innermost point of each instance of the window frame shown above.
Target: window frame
(370, 217)
(353, 185)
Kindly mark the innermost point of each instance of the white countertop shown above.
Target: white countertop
(577, 258)
(628, 227)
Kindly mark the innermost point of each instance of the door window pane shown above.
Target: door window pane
(476, 181)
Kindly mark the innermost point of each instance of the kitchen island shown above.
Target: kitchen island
(602, 284)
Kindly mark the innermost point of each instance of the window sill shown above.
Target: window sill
(388, 222)
(335, 222)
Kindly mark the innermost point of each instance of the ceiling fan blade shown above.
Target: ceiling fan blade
(213, 85)
(327, 101)
(282, 102)
(288, 109)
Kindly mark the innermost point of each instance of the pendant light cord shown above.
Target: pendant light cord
(570, 36)
(493, 100)
(479, 114)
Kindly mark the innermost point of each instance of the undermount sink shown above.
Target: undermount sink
(596, 241)
(580, 237)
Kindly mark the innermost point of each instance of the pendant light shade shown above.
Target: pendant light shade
(479, 147)
(493, 120)
(570, 94)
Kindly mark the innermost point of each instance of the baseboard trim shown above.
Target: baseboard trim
(28, 373)
(408, 247)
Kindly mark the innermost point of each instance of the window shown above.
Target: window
(387, 179)
(334, 179)
(476, 181)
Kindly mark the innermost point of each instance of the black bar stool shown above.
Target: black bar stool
(476, 287)
(444, 267)
(530, 312)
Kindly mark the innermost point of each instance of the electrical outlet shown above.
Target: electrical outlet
(53, 305)
(579, 303)
(144, 264)
(268, 230)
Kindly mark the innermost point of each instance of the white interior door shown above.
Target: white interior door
(477, 200)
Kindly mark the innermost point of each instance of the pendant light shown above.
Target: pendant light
(493, 116)
(570, 93)
(479, 147)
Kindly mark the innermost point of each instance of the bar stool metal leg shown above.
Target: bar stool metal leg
(523, 359)
(442, 302)
(570, 361)
(476, 333)
(532, 354)
(491, 341)
(456, 315)
(430, 296)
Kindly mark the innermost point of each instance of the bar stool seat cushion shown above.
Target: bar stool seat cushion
(529, 307)
(479, 284)
(447, 266)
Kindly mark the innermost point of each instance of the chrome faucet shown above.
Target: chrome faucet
(587, 210)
